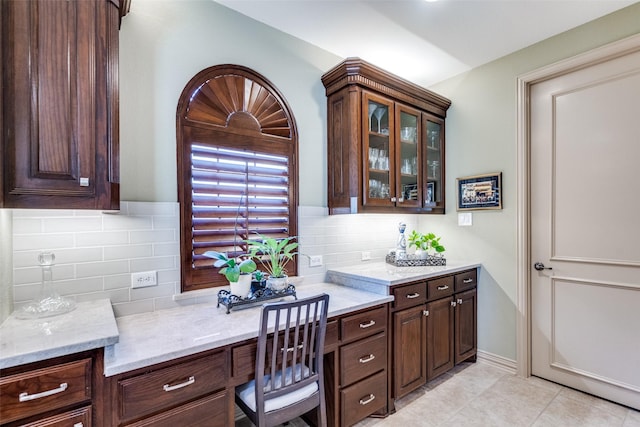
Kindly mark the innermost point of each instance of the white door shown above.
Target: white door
(585, 225)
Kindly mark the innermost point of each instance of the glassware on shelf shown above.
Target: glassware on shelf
(433, 138)
(408, 134)
(379, 112)
(48, 303)
(372, 108)
(434, 168)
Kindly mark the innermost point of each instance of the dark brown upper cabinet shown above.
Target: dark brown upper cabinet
(385, 142)
(60, 132)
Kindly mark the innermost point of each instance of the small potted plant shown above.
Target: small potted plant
(425, 244)
(258, 281)
(236, 270)
(274, 255)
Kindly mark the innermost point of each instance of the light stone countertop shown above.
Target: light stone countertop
(378, 277)
(150, 338)
(91, 325)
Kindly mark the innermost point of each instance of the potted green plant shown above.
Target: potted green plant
(425, 243)
(274, 255)
(236, 270)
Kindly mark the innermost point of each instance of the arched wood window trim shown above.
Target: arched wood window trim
(233, 107)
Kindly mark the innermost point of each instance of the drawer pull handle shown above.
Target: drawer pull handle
(413, 295)
(367, 359)
(467, 280)
(368, 399)
(168, 387)
(367, 325)
(25, 397)
(443, 288)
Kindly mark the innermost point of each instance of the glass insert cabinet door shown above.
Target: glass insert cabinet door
(408, 150)
(434, 165)
(378, 156)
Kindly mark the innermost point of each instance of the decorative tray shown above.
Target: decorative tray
(229, 300)
(414, 261)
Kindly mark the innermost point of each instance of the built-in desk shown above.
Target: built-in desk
(180, 366)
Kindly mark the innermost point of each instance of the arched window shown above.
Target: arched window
(237, 168)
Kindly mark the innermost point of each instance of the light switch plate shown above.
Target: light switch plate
(465, 219)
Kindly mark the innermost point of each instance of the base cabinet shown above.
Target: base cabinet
(363, 364)
(409, 349)
(440, 319)
(190, 391)
(65, 391)
(434, 328)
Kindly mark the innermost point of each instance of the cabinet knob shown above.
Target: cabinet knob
(453, 303)
(425, 312)
(84, 182)
(459, 301)
(393, 199)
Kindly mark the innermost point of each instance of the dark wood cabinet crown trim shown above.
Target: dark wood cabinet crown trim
(355, 71)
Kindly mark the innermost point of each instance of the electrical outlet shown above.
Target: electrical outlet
(315, 261)
(366, 255)
(144, 279)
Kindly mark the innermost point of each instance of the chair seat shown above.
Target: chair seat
(246, 392)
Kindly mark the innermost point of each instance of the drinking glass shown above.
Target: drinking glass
(372, 108)
(379, 112)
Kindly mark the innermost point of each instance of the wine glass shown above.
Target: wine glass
(372, 108)
(379, 112)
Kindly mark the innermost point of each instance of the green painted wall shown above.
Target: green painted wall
(481, 138)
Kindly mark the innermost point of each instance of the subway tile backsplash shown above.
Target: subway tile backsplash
(96, 252)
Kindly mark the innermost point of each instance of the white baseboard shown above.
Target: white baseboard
(498, 361)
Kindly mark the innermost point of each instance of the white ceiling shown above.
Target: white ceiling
(424, 42)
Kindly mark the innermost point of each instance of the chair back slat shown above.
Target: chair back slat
(296, 348)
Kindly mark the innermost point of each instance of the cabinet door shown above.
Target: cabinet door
(440, 319)
(409, 350)
(466, 336)
(408, 154)
(433, 160)
(59, 88)
(378, 151)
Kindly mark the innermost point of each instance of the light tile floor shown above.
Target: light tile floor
(479, 394)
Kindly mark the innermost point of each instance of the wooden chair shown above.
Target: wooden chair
(294, 353)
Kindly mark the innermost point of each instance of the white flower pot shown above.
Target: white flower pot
(278, 283)
(420, 254)
(242, 287)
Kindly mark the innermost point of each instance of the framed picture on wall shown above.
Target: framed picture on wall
(480, 192)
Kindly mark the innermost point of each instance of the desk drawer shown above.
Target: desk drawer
(363, 358)
(466, 280)
(41, 390)
(440, 288)
(363, 398)
(210, 411)
(77, 418)
(408, 296)
(363, 324)
(171, 386)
